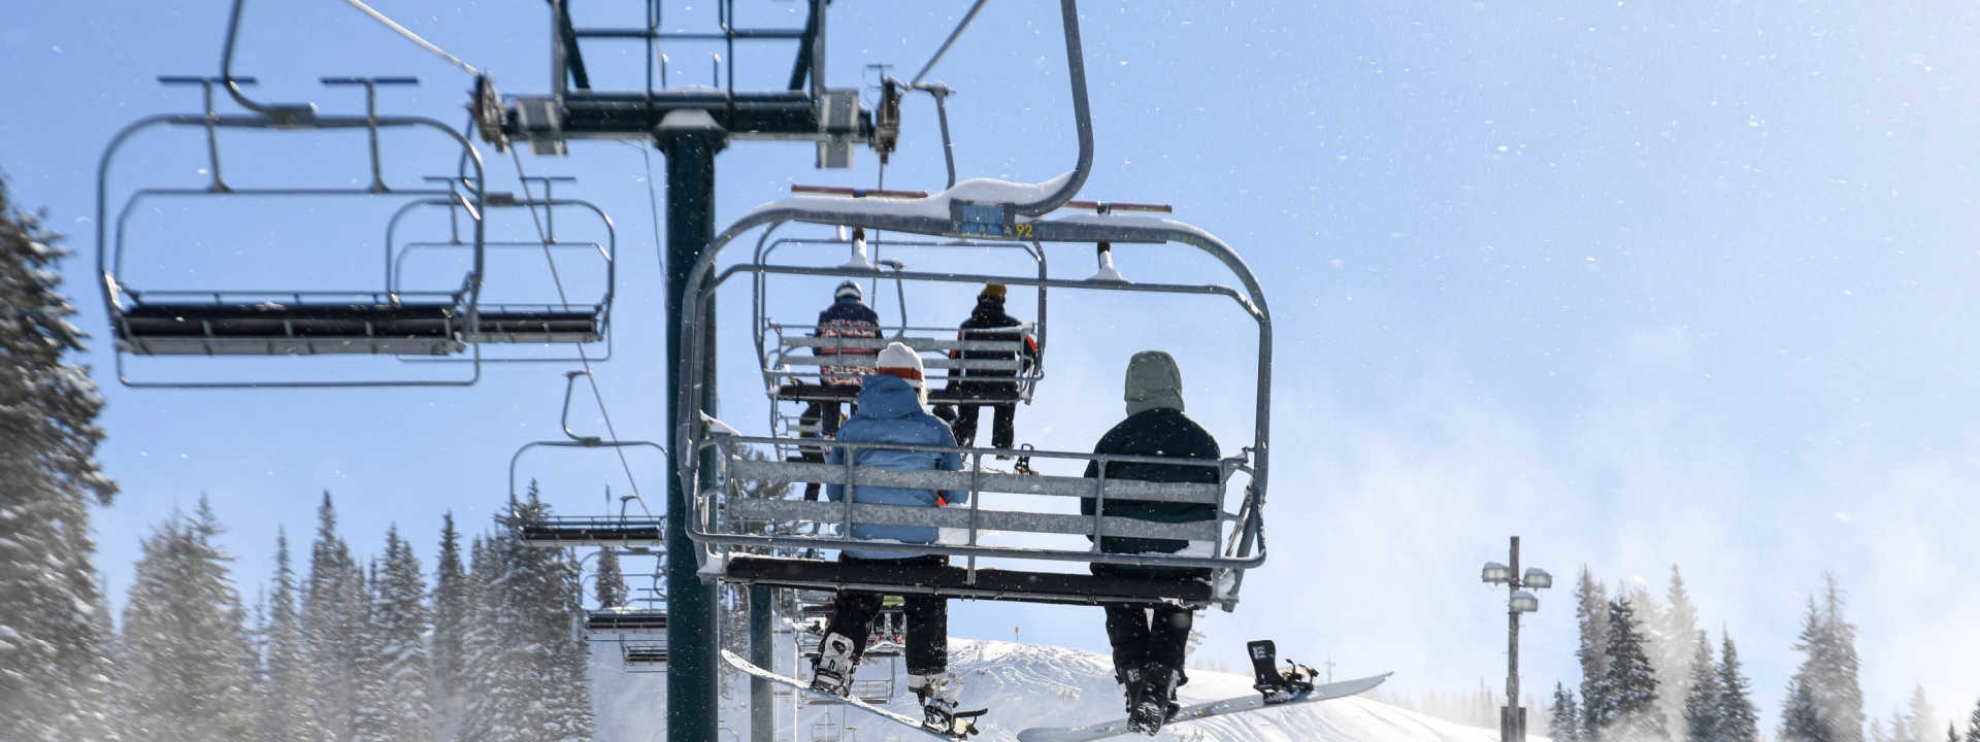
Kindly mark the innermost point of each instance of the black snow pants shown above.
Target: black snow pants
(1144, 635)
(927, 619)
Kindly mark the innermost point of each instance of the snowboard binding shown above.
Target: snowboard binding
(1278, 685)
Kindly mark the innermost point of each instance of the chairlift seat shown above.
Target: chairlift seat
(955, 581)
(644, 653)
(508, 324)
(298, 328)
(848, 393)
(561, 531)
(626, 621)
(799, 352)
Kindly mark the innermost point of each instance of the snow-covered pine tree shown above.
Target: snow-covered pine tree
(1677, 651)
(1952, 734)
(611, 582)
(1973, 724)
(1801, 716)
(488, 682)
(549, 595)
(370, 701)
(1738, 720)
(1564, 723)
(57, 679)
(1919, 716)
(1630, 684)
(1591, 613)
(525, 644)
(1702, 695)
(1900, 731)
(399, 626)
(333, 612)
(1876, 732)
(452, 605)
(286, 714)
(191, 666)
(1839, 693)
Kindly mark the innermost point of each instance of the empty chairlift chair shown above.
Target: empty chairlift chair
(624, 530)
(723, 458)
(546, 288)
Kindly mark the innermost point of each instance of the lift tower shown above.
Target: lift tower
(689, 126)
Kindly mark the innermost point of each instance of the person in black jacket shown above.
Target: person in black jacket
(996, 387)
(1149, 644)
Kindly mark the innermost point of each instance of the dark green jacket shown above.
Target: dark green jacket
(1158, 432)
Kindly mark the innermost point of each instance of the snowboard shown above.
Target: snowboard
(964, 719)
(1273, 692)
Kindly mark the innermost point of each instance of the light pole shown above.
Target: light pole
(1512, 717)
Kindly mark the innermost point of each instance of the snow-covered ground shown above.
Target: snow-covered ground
(1027, 685)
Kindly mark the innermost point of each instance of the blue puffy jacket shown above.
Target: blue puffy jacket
(890, 412)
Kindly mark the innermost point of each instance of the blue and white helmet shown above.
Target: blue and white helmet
(848, 290)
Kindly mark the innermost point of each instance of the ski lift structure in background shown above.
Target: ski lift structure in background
(721, 458)
(624, 530)
(640, 632)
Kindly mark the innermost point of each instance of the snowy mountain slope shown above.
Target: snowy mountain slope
(1030, 685)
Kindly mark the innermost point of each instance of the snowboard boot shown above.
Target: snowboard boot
(1130, 681)
(832, 670)
(1157, 702)
(939, 693)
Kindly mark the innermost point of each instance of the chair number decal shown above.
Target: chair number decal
(1023, 230)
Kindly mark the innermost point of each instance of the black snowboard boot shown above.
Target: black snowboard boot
(1130, 680)
(1156, 703)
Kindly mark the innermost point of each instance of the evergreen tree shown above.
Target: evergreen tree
(1952, 734)
(191, 665)
(525, 643)
(1629, 687)
(1827, 675)
(487, 680)
(1564, 723)
(1973, 724)
(1702, 696)
(452, 606)
(333, 615)
(55, 672)
(370, 700)
(398, 627)
(1877, 733)
(1676, 651)
(286, 715)
(1801, 717)
(1591, 613)
(1900, 731)
(1738, 720)
(611, 583)
(1840, 694)
(1919, 715)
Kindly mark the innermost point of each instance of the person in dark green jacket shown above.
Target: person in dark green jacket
(1149, 644)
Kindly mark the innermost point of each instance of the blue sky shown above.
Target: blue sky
(1645, 283)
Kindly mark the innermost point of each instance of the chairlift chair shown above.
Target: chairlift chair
(231, 321)
(794, 370)
(623, 530)
(561, 319)
(720, 457)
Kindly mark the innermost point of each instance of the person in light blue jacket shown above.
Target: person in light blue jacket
(890, 410)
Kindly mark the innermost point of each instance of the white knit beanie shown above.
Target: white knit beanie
(899, 360)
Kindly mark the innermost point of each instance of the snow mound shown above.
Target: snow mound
(1026, 685)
